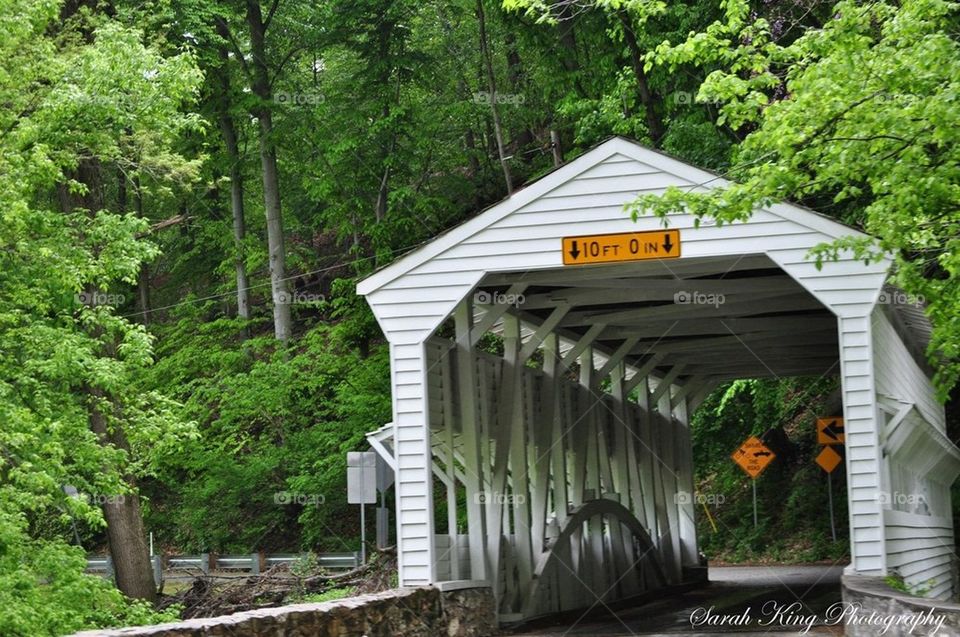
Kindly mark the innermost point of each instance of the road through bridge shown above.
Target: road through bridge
(774, 600)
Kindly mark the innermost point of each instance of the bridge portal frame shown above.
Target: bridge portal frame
(782, 316)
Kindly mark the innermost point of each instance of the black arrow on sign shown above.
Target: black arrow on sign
(760, 453)
(574, 251)
(666, 243)
(834, 430)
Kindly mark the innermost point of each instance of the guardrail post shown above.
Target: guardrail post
(110, 573)
(205, 563)
(255, 563)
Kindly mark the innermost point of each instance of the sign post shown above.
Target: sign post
(384, 482)
(753, 457)
(362, 489)
(829, 460)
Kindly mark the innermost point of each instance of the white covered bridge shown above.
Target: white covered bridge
(553, 460)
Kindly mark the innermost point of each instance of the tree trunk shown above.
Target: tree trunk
(517, 84)
(143, 278)
(385, 30)
(650, 105)
(492, 84)
(125, 533)
(567, 37)
(229, 133)
(271, 180)
(128, 544)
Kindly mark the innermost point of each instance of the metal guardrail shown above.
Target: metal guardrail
(253, 563)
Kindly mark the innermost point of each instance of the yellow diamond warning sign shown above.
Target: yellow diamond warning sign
(829, 459)
(624, 246)
(753, 456)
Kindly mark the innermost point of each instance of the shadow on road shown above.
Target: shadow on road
(754, 600)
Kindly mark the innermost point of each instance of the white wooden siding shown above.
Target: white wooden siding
(412, 452)
(921, 549)
(898, 374)
(916, 498)
(862, 446)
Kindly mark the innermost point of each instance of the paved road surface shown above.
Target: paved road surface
(733, 592)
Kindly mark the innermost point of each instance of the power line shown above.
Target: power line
(213, 297)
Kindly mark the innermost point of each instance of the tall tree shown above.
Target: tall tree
(491, 78)
(260, 79)
(260, 84)
(228, 130)
(93, 102)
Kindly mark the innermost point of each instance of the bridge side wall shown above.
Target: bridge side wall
(917, 514)
(562, 444)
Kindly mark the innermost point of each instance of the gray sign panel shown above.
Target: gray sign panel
(361, 477)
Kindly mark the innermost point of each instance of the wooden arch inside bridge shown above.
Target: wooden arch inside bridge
(543, 385)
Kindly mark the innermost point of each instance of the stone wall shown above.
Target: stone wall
(873, 608)
(405, 612)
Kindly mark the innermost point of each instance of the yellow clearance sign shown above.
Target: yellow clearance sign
(624, 246)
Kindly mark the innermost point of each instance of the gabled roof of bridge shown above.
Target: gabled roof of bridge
(695, 178)
(778, 317)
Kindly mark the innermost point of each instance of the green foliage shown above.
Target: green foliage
(793, 520)
(896, 582)
(273, 422)
(43, 590)
(78, 97)
(857, 116)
